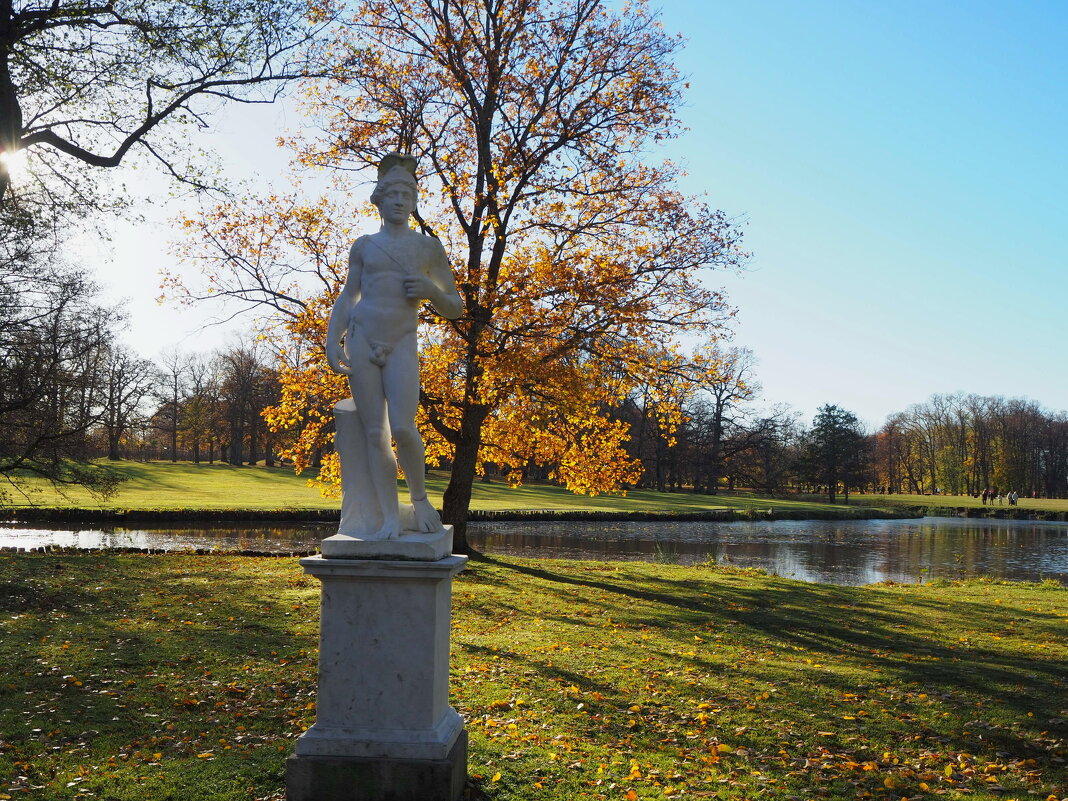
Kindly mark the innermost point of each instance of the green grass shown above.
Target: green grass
(181, 485)
(131, 677)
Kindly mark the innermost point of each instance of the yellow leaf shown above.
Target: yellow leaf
(632, 796)
(496, 777)
(723, 748)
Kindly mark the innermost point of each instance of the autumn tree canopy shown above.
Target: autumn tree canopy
(578, 259)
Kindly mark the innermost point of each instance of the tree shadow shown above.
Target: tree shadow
(860, 628)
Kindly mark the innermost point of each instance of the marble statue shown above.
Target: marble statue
(371, 338)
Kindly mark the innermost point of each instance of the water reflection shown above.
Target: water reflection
(836, 552)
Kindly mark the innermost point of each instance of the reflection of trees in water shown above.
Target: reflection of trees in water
(844, 552)
(998, 549)
(840, 552)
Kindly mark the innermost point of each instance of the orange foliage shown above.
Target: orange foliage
(578, 262)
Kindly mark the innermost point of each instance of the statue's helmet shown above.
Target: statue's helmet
(393, 169)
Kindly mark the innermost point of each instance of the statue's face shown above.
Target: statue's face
(396, 203)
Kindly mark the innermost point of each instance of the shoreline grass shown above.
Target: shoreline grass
(219, 486)
(169, 677)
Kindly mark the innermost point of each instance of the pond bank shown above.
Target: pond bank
(991, 512)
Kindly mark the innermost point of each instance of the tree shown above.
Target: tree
(248, 386)
(128, 382)
(718, 411)
(769, 460)
(54, 346)
(200, 409)
(577, 259)
(836, 449)
(170, 390)
(83, 84)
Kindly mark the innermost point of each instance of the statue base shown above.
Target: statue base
(409, 546)
(384, 730)
(318, 778)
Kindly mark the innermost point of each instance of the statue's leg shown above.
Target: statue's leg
(400, 379)
(367, 390)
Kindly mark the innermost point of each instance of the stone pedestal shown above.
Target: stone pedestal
(384, 730)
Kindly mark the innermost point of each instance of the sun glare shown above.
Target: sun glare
(15, 164)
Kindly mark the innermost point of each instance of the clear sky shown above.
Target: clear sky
(902, 168)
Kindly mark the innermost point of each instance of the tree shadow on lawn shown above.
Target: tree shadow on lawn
(106, 649)
(858, 628)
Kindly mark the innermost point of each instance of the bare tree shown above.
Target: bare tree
(201, 407)
(170, 391)
(54, 346)
(128, 383)
(82, 84)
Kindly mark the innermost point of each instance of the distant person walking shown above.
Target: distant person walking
(985, 492)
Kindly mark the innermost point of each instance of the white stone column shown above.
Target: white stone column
(383, 721)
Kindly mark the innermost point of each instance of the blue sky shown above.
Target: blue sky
(902, 169)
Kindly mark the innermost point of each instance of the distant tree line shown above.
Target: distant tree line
(949, 445)
(723, 439)
(203, 408)
(71, 393)
(964, 444)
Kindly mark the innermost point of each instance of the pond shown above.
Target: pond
(834, 552)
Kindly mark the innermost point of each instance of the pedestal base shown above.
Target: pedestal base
(384, 730)
(411, 546)
(320, 778)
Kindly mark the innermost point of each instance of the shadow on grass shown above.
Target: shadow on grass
(101, 653)
(873, 636)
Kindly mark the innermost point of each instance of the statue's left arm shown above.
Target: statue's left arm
(438, 285)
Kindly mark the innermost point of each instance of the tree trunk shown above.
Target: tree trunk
(237, 434)
(253, 438)
(456, 502)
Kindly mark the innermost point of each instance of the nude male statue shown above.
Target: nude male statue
(371, 337)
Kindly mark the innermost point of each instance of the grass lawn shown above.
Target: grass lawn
(954, 501)
(132, 677)
(181, 485)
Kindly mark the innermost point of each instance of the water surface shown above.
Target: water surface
(835, 552)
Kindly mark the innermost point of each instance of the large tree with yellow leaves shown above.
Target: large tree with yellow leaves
(579, 261)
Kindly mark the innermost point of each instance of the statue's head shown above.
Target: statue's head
(395, 170)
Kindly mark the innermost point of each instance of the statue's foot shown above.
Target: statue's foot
(389, 531)
(426, 516)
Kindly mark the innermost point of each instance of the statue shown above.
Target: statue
(371, 338)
